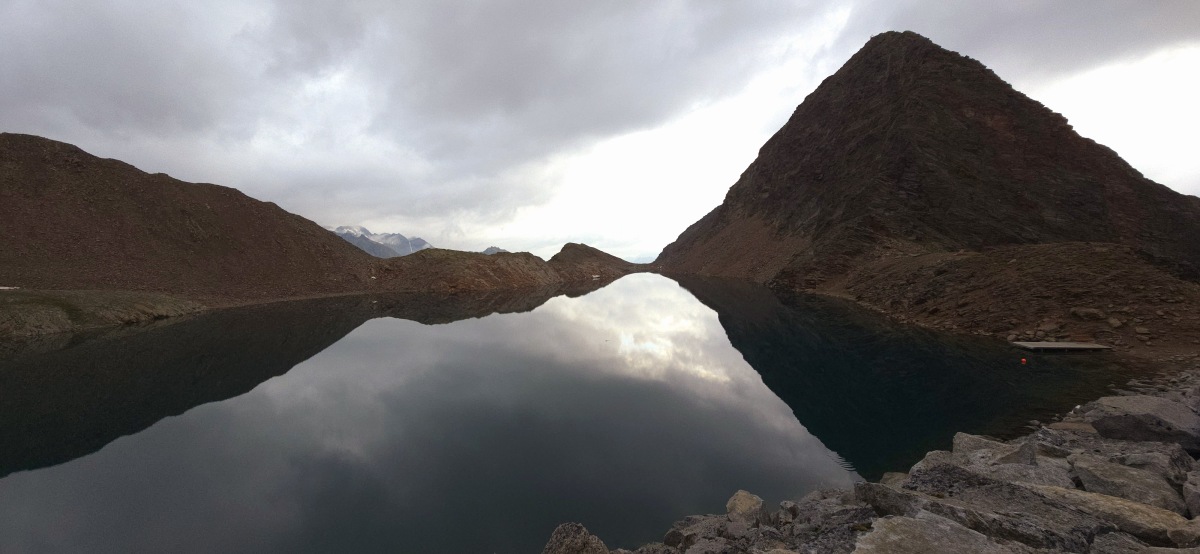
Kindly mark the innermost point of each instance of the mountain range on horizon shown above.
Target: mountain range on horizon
(380, 245)
(390, 245)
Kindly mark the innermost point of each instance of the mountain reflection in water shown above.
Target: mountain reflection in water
(881, 394)
(624, 409)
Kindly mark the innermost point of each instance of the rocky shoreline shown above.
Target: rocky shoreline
(1118, 475)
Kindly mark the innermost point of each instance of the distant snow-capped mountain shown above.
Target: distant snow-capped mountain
(383, 245)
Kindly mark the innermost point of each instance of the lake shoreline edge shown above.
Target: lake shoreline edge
(1117, 475)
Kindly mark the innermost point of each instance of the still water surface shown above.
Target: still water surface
(624, 409)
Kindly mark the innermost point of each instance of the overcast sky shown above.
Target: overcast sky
(526, 124)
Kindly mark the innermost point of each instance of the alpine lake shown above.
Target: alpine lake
(478, 423)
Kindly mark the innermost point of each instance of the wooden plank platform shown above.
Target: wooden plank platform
(1062, 346)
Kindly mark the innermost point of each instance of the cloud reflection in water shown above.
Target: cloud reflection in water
(624, 409)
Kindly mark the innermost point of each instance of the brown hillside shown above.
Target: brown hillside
(910, 148)
(580, 262)
(70, 220)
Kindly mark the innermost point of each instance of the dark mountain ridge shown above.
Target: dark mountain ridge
(919, 183)
(910, 148)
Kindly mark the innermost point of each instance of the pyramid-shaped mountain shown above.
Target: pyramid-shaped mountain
(910, 149)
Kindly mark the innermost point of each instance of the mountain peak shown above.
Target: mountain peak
(910, 147)
(355, 230)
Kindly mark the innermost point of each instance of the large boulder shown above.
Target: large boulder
(690, 530)
(1016, 462)
(828, 520)
(1001, 510)
(1104, 477)
(1167, 460)
(573, 538)
(1145, 418)
(926, 533)
(745, 507)
(1191, 493)
(1155, 526)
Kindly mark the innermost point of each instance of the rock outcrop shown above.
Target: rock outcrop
(914, 170)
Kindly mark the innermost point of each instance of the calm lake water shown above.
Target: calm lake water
(415, 425)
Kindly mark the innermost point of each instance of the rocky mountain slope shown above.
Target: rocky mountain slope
(911, 152)
(72, 221)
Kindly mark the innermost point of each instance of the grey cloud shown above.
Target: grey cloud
(483, 86)
(1030, 40)
(480, 95)
(125, 69)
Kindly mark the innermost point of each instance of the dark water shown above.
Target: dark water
(337, 426)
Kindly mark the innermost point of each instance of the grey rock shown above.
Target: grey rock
(1002, 461)
(893, 478)
(1162, 550)
(1088, 314)
(1172, 465)
(1164, 459)
(743, 506)
(790, 507)
(938, 457)
(1046, 473)
(1000, 510)
(1191, 493)
(708, 546)
(1114, 323)
(1102, 476)
(926, 533)
(655, 548)
(965, 444)
(737, 529)
(1116, 543)
(688, 531)
(1145, 418)
(1155, 526)
(573, 538)
(1073, 426)
(1024, 454)
(674, 537)
(822, 505)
